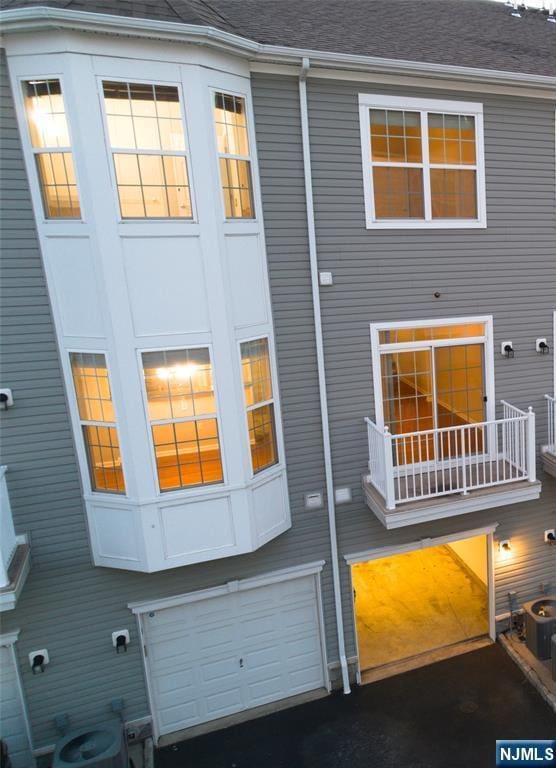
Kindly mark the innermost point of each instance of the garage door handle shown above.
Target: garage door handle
(241, 662)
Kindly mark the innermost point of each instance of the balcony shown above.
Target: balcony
(549, 450)
(15, 554)
(421, 476)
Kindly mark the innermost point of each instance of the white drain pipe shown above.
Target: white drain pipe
(321, 370)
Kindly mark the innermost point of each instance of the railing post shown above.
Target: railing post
(463, 476)
(389, 488)
(531, 447)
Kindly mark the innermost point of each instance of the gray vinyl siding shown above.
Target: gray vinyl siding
(507, 270)
(67, 605)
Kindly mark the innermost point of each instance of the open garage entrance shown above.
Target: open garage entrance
(411, 604)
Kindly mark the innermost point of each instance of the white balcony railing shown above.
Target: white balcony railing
(438, 462)
(8, 540)
(551, 401)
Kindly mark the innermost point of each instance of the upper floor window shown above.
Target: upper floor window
(423, 162)
(259, 402)
(182, 410)
(232, 140)
(51, 145)
(98, 421)
(146, 133)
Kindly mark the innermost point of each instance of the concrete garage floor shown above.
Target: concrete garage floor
(447, 715)
(414, 603)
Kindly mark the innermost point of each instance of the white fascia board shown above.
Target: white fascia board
(20, 20)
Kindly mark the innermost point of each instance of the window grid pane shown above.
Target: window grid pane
(182, 410)
(451, 139)
(96, 412)
(257, 387)
(144, 126)
(232, 139)
(262, 437)
(48, 129)
(398, 193)
(236, 186)
(103, 458)
(58, 187)
(255, 366)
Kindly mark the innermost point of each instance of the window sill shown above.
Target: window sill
(437, 224)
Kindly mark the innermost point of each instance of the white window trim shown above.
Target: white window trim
(487, 340)
(273, 400)
(34, 151)
(186, 490)
(86, 473)
(186, 152)
(249, 158)
(474, 109)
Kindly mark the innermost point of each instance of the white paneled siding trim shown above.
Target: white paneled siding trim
(377, 349)
(8, 641)
(424, 107)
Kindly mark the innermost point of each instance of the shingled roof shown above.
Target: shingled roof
(468, 33)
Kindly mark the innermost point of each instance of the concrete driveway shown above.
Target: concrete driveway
(447, 715)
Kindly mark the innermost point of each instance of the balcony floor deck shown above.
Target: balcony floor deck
(450, 503)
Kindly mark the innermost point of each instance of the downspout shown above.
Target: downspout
(321, 371)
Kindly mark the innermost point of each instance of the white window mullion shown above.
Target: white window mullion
(426, 166)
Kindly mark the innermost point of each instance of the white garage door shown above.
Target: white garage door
(217, 656)
(12, 720)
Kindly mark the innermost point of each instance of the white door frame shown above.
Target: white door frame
(285, 574)
(399, 549)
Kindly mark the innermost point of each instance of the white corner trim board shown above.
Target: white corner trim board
(273, 577)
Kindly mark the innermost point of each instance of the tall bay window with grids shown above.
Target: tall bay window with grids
(232, 141)
(51, 147)
(98, 421)
(147, 137)
(423, 162)
(259, 402)
(182, 410)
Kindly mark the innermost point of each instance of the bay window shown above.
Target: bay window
(51, 146)
(423, 162)
(146, 133)
(98, 421)
(181, 405)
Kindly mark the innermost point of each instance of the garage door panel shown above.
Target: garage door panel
(219, 669)
(234, 652)
(302, 680)
(271, 689)
(178, 681)
(224, 702)
(183, 716)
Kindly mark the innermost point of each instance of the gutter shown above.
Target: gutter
(321, 372)
(27, 20)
